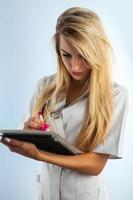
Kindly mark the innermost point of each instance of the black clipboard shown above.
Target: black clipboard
(48, 141)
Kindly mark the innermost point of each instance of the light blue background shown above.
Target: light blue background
(26, 54)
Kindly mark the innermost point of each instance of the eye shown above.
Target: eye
(67, 55)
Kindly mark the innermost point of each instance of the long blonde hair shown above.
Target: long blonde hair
(83, 30)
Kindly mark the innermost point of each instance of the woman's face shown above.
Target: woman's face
(73, 61)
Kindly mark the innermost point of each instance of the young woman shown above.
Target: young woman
(82, 104)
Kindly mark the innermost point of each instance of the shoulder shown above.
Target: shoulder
(45, 80)
(120, 92)
(43, 83)
(120, 96)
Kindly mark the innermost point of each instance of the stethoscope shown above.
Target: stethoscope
(57, 113)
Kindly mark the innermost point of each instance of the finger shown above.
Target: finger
(31, 124)
(13, 142)
(16, 150)
(13, 149)
(34, 125)
(24, 151)
(38, 118)
(34, 122)
(9, 145)
(26, 124)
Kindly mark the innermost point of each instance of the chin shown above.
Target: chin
(77, 78)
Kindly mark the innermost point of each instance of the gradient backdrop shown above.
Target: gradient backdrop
(26, 54)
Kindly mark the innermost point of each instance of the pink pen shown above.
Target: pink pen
(41, 116)
(44, 126)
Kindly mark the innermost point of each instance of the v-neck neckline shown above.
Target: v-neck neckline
(62, 104)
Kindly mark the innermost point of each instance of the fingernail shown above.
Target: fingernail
(0, 138)
(7, 139)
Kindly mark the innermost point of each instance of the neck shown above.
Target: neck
(77, 83)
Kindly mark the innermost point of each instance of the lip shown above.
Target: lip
(77, 73)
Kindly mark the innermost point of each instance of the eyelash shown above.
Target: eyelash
(66, 55)
(69, 56)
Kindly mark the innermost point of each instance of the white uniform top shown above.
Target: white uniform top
(57, 183)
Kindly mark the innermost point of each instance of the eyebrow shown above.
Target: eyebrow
(65, 51)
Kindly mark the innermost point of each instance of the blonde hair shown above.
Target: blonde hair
(83, 30)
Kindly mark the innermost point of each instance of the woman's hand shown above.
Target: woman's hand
(36, 122)
(24, 148)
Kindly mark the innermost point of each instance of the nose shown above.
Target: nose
(76, 64)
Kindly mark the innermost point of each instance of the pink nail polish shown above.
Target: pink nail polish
(44, 127)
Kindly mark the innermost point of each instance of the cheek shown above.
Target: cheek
(87, 72)
(87, 68)
(66, 62)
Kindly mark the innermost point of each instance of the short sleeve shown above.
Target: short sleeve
(43, 82)
(113, 143)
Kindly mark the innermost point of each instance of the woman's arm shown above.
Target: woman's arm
(88, 163)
